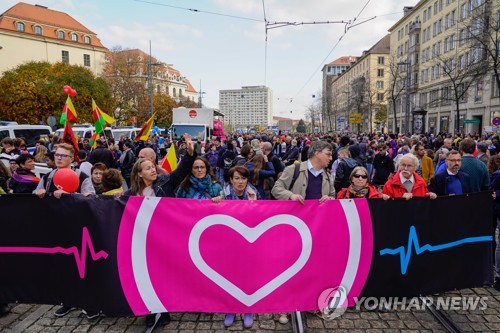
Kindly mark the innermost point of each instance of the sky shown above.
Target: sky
(221, 44)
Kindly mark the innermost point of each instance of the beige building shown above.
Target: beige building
(436, 42)
(36, 33)
(247, 107)
(360, 91)
(165, 78)
(330, 72)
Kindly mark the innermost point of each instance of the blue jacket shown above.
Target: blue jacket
(439, 183)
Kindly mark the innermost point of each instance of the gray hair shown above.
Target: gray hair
(412, 157)
(317, 146)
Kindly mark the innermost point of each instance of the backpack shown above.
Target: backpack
(227, 161)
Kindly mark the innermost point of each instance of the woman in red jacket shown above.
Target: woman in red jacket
(360, 186)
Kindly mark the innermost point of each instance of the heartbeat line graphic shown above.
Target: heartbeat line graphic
(80, 256)
(413, 244)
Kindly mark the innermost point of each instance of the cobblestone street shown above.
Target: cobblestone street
(40, 318)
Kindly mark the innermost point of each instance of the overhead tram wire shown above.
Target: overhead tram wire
(265, 46)
(348, 26)
(199, 11)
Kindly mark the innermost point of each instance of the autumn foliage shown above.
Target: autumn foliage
(33, 91)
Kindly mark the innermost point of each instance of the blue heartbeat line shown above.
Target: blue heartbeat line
(405, 253)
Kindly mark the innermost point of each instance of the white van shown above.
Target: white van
(85, 131)
(31, 133)
(128, 131)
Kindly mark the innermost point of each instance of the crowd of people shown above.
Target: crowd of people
(264, 166)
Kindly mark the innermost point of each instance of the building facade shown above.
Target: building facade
(359, 93)
(441, 49)
(36, 33)
(330, 72)
(247, 107)
(164, 77)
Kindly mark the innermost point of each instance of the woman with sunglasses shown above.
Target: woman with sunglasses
(360, 186)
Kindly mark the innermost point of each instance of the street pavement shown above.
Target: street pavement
(31, 318)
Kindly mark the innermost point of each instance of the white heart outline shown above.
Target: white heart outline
(250, 234)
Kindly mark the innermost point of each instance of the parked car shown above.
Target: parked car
(128, 131)
(85, 131)
(30, 133)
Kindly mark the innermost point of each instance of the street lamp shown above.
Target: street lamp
(150, 80)
(407, 94)
(200, 98)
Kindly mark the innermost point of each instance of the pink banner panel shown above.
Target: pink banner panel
(261, 257)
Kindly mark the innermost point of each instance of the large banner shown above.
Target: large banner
(136, 255)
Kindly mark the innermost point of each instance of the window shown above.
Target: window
(440, 26)
(452, 42)
(380, 72)
(463, 11)
(453, 18)
(461, 62)
(20, 26)
(429, 12)
(86, 60)
(37, 29)
(74, 37)
(380, 60)
(65, 57)
(461, 38)
(494, 87)
(445, 45)
(86, 40)
(380, 97)
(380, 84)
(425, 15)
(447, 21)
(60, 34)
(435, 8)
(440, 5)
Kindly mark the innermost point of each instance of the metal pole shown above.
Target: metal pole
(150, 82)
(407, 113)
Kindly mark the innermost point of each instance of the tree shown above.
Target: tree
(483, 31)
(461, 72)
(313, 112)
(395, 89)
(301, 126)
(125, 74)
(33, 91)
(380, 114)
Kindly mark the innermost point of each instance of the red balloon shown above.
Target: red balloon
(72, 92)
(66, 89)
(67, 179)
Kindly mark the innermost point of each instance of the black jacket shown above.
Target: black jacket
(103, 155)
(439, 183)
(165, 185)
(384, 166)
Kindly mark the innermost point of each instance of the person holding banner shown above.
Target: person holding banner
(64, 156)
(239, 189)
(406, 183)
(307, 180)
(360, 186)
(201, 183)
(144, 181)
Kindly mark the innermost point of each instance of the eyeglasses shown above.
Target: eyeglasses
(360, 176)
(199, 167)
(61, 155)
(404, 166)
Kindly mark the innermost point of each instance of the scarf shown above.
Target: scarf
(25, 176)
(361, 193)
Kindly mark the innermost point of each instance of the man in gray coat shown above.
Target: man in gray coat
(308, 180)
